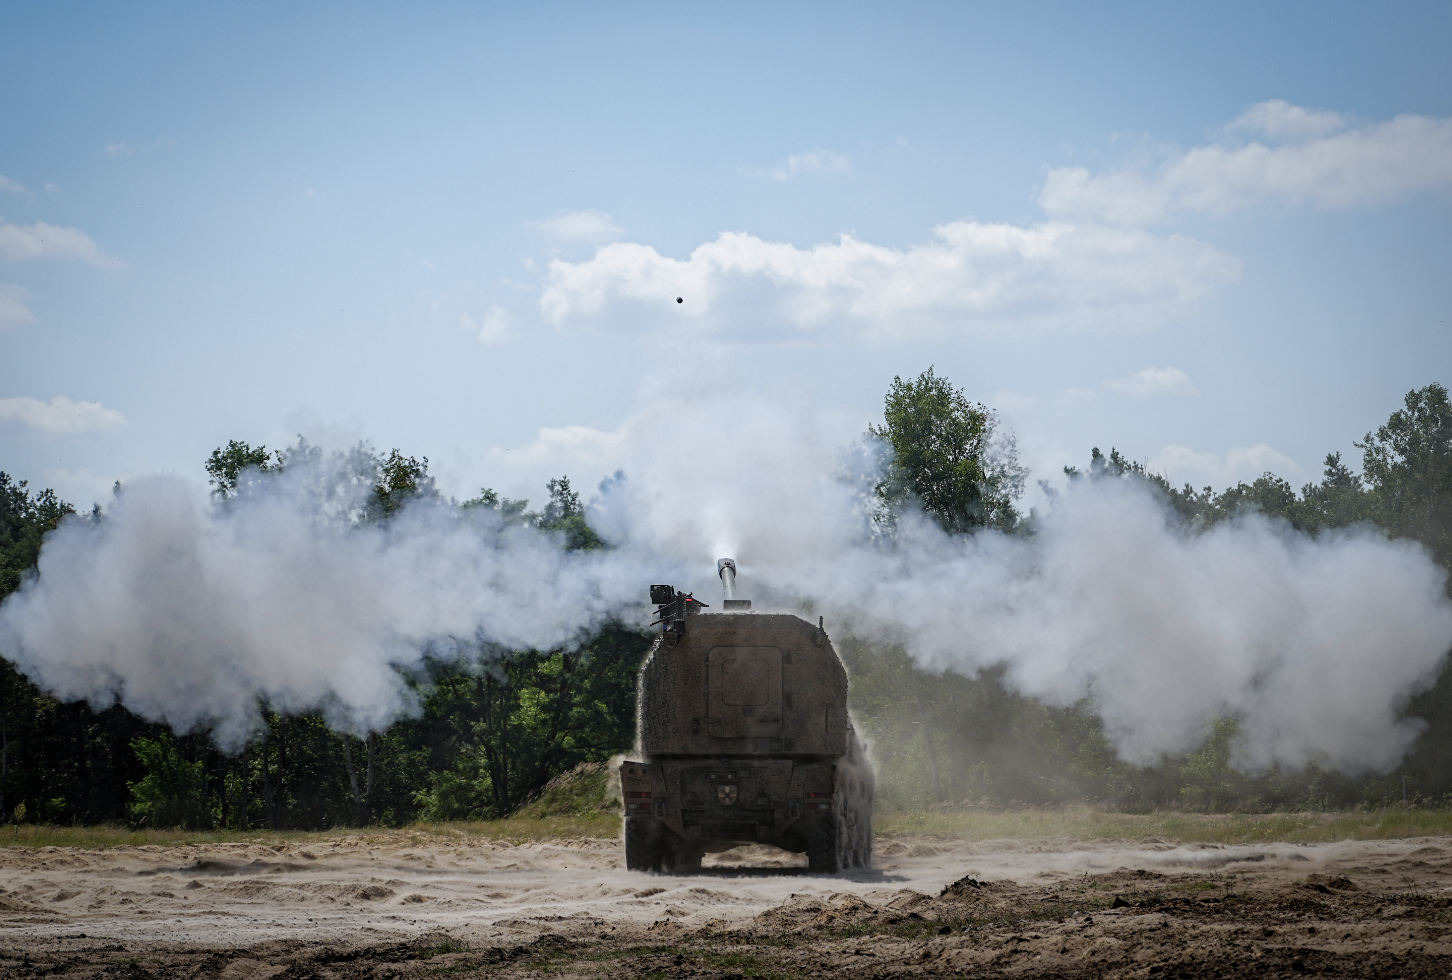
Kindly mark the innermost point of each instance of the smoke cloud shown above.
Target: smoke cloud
(189, 611)
(1312, 645)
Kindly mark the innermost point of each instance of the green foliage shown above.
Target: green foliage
(564, 513)
(1408, 465)
(495, 735)
(945, 458)
(454, 794)
(509, 511)
(226, 466)
(400, 480)
(1339, 500)
(393, 480)
(589, 788)
(1207, 780)
(941, 739)
(171, 794)
(24, 520)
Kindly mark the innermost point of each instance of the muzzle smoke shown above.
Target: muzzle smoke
(193, 613)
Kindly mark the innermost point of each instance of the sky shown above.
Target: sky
(1212, 236)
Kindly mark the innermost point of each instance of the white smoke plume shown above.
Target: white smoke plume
(1312, 645)
(1315, 645)
(189, 611)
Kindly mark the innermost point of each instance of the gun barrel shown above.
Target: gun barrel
(726, 568)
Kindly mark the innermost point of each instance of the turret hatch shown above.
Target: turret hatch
(743, 692)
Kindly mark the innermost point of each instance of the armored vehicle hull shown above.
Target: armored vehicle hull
(744, 737)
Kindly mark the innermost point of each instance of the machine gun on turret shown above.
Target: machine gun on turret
(672, 608)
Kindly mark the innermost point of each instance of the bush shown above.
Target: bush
(172, 793)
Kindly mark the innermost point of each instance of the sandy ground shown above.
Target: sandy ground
(392, 906)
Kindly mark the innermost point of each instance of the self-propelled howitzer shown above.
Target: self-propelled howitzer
(743, 737)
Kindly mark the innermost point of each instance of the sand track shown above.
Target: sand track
(384, 905)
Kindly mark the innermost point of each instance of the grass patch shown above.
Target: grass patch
(737, 962)
(113, 835)
(521, 829)
(443, 947)
(589, 789)
(1068, 824)
(1188, 828)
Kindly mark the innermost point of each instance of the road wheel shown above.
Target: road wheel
(826, 843)
(678, 855)
(861, 831)
(642, 844)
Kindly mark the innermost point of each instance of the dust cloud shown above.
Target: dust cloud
(413, 905)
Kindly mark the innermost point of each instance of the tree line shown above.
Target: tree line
(951, 740)
(488, 737)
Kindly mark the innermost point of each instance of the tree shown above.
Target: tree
(226, 466)
(509, 511)
(1339, 500)
(493, 733)
(171, 794)
(1267, 494)
(24, 520)
(947, 456)
(1408, 466)
(565, 513)
(401, 479)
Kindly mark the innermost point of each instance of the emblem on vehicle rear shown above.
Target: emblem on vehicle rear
(726, 795)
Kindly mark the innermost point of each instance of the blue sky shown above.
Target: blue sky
(1216, 238)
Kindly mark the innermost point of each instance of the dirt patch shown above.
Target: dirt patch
(354, 908)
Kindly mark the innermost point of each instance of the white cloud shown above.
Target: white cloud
(1181, 465)
(14, 186)
(60, 415)
(970, 276)
(13, 311)
(1279, 120)
(1152, 381)
(1315, 158)
(496, 327)
(580, 226)
(43, 241)
(812, 162)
